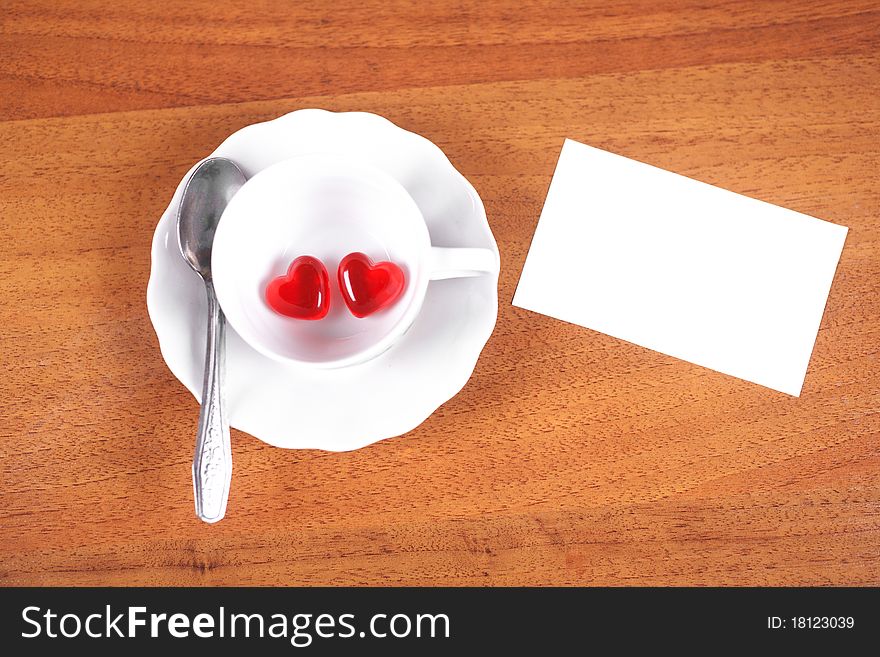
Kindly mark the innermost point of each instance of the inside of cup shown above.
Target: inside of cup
(326, 208)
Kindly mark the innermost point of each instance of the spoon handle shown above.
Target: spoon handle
(212, 464)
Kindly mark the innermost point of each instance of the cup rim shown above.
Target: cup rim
(400, 326)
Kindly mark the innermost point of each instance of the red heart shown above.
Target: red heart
(304, 293)
(368, 287)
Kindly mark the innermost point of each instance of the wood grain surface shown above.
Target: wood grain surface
(570, 457)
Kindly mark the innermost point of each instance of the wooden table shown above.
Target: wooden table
(570, 457)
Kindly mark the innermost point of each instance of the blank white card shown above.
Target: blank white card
(681, 267)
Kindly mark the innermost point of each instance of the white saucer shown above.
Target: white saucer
(348, 408)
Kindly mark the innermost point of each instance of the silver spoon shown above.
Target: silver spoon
(212, 184)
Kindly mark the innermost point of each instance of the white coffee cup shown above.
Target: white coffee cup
(327, 207)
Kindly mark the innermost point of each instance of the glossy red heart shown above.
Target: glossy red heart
(368, 287)
(304, 292)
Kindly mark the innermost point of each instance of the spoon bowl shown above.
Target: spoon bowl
(210, 188)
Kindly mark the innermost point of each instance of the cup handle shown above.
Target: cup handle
(460, 262)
